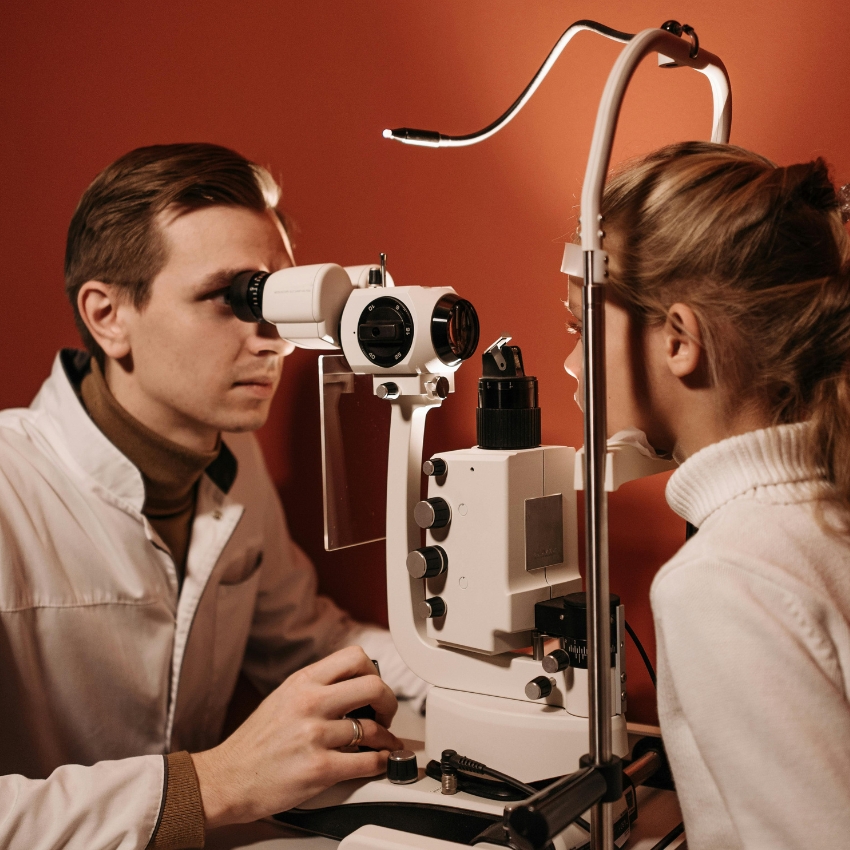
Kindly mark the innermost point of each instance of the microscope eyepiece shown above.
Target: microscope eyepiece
(246, 295)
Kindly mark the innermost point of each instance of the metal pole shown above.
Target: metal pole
(596, 539)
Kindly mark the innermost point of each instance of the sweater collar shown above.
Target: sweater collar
(770, 462)
(90, 449)
(169, 471)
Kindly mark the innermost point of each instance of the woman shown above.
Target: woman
(728, 344)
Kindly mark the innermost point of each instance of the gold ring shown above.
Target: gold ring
(357, 728)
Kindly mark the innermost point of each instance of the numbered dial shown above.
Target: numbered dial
(385, 331)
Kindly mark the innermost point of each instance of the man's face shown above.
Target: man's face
(194, 369)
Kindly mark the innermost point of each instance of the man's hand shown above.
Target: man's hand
(288, 750)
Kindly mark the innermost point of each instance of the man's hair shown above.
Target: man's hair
(114, 237)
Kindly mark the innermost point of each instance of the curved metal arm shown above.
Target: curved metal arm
(433, 139)
(676, 49)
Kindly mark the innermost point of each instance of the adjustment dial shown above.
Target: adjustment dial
(432, 513)
(427, 562)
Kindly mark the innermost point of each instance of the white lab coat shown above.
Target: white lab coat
(103, 669)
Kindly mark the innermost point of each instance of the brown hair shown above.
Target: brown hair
(113, 236)
(761, 255)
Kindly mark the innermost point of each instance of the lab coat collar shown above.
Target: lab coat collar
(88, 447)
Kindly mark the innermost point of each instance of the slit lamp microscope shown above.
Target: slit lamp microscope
(543, 735)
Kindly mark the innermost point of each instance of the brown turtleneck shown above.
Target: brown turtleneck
(170, 474)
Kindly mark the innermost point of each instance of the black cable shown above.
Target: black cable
(670, 837)
(643, 655)
(467, 765)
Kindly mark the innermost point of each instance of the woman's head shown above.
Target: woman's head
(761, 256)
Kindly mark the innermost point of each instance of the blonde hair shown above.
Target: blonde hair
(762, 256)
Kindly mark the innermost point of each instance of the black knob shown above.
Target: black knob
(539, 688)
(387, 390)
(432, 513)
(402, 768)
(433, 607)
(427, 562)
(435, 466)
(556, 661)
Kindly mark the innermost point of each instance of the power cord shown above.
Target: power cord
(468, 768)
(643, 654)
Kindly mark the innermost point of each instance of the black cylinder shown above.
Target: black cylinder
(508, 416)
(402, 768)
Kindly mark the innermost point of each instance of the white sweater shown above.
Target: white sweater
(752, 626)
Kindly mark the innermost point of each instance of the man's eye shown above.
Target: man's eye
(574, 328)
(221, 296)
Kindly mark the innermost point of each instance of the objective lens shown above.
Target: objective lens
(454, 329)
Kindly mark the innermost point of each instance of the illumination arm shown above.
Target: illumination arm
(433, 139)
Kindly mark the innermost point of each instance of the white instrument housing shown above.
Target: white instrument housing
(420, 302)
(511, 542)
(305, 303)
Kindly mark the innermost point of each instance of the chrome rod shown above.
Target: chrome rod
(434, 139)
(596, 537)
(596, 516)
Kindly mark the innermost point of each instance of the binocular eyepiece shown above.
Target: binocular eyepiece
(327, 306)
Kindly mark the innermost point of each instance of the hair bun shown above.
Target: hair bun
(810, 182)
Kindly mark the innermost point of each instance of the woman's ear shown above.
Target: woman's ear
(101, 308)
(682, 341)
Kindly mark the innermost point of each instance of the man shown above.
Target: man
(144, 558)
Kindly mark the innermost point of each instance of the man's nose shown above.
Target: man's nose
(266, 339)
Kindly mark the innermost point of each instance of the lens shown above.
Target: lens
(246, 295)
(454, 329)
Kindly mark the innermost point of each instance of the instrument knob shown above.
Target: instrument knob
(432, 513)
(435, 466)
(388, 390)
(539, 687)
(556, 661)
(402, 768)
(427, 562)
(430, 608)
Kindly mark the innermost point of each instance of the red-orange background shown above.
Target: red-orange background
(306, 88)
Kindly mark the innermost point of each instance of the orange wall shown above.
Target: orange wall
(306, 88)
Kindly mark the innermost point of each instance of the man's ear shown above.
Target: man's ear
(102, 309)
(682, 341)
